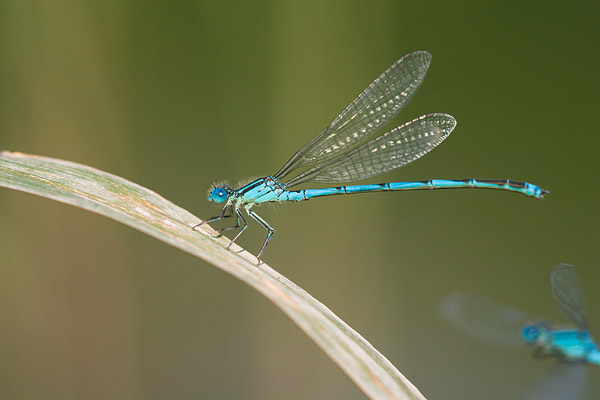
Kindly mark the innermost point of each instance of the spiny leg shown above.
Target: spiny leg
(265, 225)
(237, 224)
(240, 216)
(217, 218)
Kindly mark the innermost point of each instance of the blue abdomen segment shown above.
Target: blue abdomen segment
(512, 186)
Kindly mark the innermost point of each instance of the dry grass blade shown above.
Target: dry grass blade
(142, 209)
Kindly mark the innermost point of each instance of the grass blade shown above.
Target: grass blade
(142, 209)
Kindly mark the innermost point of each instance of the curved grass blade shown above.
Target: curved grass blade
(146, 211)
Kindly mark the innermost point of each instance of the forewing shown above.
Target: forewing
(568, 295)
(375, 106)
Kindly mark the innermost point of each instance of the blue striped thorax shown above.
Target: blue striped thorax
(262, 190)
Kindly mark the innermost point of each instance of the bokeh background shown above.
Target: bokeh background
(176, 95)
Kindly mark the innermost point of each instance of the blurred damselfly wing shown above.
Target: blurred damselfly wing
(568, 294)
(485, 319)
(565, 382)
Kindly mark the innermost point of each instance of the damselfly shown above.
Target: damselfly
(348, 150)
(502, 324)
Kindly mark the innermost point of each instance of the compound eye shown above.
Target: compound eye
(530, 333)
(218, 195)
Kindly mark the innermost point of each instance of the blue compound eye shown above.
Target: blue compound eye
(530, 333)
(218, 195)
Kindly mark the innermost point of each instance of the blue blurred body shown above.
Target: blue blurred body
(571, 345)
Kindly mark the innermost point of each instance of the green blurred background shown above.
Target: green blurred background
(176, 95)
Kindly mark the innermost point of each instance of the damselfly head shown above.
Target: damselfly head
(218, 194)
(535, 332)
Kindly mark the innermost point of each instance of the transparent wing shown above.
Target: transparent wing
(389, 151)
(568, 295)
(484, 319)
(375, 106)
(566, 382)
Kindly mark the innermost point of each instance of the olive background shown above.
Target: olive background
(178, 95)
